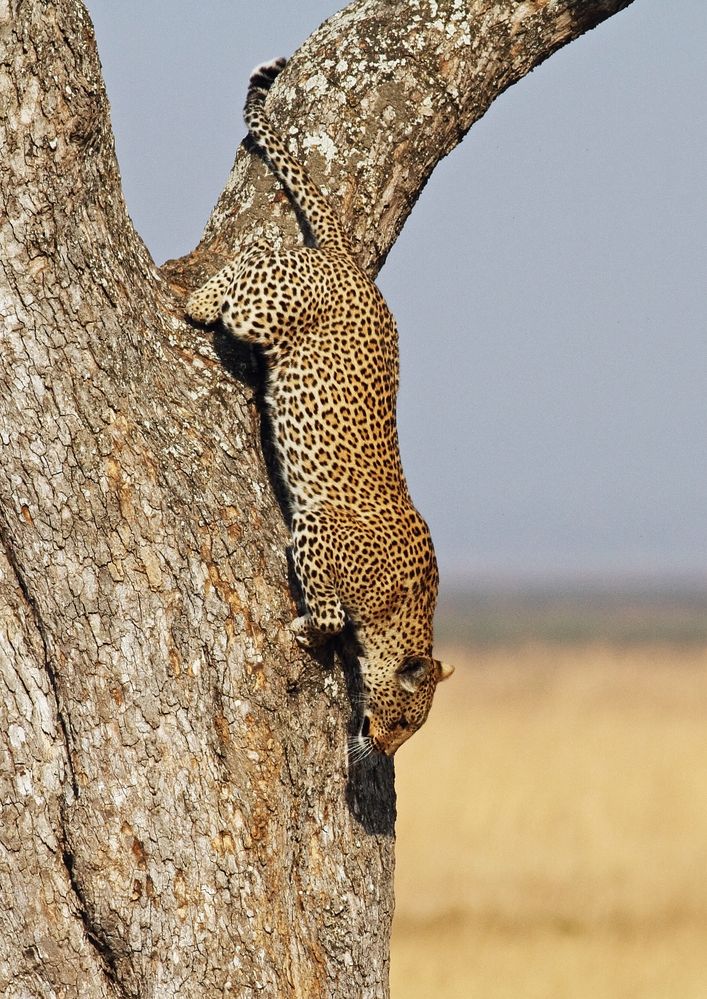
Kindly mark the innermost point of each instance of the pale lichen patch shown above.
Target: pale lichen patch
(323, 143)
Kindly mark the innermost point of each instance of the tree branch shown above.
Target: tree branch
(375, 98)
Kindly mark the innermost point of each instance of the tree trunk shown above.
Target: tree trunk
(178, 817)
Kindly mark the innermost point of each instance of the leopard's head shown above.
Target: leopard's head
(397, 700)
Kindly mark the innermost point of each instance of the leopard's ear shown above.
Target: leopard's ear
(411, 672)
(444, 670)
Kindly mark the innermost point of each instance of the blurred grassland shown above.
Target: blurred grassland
(575, 614)
(552, 822)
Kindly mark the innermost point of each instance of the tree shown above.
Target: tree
(178, 817)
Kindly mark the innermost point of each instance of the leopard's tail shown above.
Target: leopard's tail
(321, 218)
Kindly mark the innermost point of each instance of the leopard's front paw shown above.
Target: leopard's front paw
(306, 635)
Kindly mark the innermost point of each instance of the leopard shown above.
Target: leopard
(361, 552)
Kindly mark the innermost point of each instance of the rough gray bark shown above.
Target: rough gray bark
(177, 815)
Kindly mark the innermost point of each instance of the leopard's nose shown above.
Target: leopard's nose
(366, 727)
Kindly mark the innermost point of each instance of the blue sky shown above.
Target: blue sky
(549, 285)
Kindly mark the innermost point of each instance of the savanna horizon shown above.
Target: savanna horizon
(552, 814)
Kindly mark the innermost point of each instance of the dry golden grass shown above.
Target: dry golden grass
(552, 829)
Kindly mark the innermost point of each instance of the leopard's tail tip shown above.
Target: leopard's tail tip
(264, 75)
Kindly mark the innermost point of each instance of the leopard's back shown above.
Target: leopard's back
(332, 391)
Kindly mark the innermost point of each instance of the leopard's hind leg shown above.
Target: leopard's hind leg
(258, 297)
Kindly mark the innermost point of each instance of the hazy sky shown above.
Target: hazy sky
(550, 285)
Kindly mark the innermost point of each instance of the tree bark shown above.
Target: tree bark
(178, 817)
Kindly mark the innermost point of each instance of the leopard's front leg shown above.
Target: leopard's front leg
(326, 616)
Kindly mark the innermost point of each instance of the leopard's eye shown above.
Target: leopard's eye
(402, 722)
